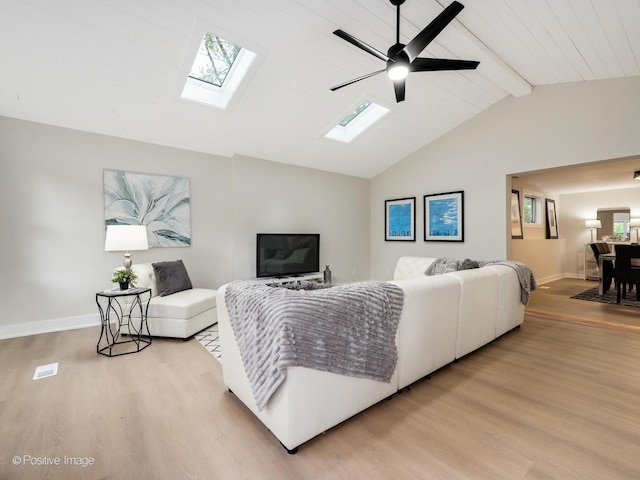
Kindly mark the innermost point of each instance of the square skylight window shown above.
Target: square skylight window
(357, 121)
(214, 60)
(217, 71)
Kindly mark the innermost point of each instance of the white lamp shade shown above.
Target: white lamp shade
(124, 238)
(634, 222)
(592, 224)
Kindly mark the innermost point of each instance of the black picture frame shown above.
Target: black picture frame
(400, 220)
(552, 220)
(444, 217)
(516, 216)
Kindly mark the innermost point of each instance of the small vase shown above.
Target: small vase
(124, 285)
(327, 275)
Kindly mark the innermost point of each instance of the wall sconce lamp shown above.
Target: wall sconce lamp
(592, 224)
(123, 238)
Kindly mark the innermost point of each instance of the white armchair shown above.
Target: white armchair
(180, 314)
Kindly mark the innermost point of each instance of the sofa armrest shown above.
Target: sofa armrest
(411, 267)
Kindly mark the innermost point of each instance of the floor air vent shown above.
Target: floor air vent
(44, 371)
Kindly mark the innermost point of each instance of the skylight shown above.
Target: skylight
(217, 71)
(357, 121)
(214, 60)
(359, 109)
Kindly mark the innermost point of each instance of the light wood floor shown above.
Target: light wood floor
(551, 400)
(553, 301)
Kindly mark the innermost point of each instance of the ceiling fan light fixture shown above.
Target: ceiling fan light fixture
(398, 71)
(404, 58)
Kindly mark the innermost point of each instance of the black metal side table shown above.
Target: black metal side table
(123, 308)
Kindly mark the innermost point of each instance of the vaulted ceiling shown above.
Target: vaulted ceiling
(116, 67)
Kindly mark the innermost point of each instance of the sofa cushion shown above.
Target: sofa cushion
(184, 304)
(171, 277)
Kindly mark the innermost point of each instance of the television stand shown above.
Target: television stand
(291, 278)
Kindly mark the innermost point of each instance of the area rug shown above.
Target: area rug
(592, 295)
(210, 339)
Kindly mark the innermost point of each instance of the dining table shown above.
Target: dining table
(609, 257)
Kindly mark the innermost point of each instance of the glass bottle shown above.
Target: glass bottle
(327, 275)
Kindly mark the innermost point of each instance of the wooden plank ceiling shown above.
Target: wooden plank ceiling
(116, 67)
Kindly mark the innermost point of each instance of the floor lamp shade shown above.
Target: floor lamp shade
(124, 238)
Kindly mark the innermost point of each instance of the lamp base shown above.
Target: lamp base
(127, 262)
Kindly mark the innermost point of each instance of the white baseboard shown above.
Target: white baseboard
(47, 326)
(551, 278)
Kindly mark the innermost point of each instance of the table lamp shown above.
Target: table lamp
(123, 238)
(634, 222)
(592, 224)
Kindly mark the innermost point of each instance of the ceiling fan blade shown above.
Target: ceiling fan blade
(333, 89)
(431, 31)
(360, 44)
(399, 87)
(435, 64)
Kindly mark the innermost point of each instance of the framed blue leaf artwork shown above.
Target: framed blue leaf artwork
(162, 204)
(400, 219)
(443, 217)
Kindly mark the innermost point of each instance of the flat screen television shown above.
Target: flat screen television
(287, 254)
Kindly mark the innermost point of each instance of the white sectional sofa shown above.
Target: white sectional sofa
(180, 314)
(444, 317)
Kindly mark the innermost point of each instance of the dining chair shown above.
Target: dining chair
(608, 272)
(627, 269)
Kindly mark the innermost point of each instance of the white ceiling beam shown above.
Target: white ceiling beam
(491, 66)
(494, 68)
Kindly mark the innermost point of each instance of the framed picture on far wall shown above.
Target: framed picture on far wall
(552, 222)
(516, 218)
(400, 220)
(443, 217)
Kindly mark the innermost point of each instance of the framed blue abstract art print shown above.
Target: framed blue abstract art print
(400, 219)
(443, 217)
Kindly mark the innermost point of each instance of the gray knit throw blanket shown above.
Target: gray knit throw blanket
(347, 329)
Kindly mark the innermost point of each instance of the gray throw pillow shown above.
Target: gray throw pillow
(441, 266)
(468, 264)
(171, 277)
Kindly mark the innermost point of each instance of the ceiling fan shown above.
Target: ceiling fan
(402, 59)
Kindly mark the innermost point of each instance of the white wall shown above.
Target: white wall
(576, 208)
(52, 258)
(52, 243)
(51, 199)
(277, 198)
(553, 126)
